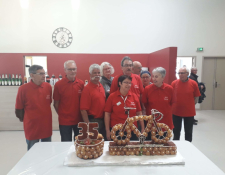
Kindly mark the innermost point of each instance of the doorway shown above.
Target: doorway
(31, 60)
(213, 77)
(187, 62)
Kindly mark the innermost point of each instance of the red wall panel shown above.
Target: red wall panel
(165, 58)
(13, 63)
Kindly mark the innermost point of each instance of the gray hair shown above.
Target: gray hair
(193, 68)
(126, 58)
(187, 70)
(67, 62)
(160, 70)
(33, 69)
(102, 67)
(92, 67)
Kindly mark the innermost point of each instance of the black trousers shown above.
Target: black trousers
(188, 127)
(66, 132)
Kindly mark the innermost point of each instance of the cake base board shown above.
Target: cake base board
(107, 160)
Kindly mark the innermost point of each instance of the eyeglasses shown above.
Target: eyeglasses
(128, 65)
(74, 69)
(127, 82)
(145, 77)
(182, 73)
(40, 73)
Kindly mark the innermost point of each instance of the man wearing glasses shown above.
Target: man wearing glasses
(136, 87)
(33, 107)
(67, 93)
(186, 95)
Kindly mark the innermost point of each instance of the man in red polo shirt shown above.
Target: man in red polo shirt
(136, 86)
(67, 93)
(92, 101)
(186, 95)
(33, 107)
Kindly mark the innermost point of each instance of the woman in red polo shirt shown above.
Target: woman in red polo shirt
(114, 108)
(159, 96)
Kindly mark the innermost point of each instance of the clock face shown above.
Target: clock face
(62, 37)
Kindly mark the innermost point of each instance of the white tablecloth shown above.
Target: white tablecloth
(47, 158)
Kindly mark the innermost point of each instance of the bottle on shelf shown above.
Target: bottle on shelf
(13, 80)
(20, 80)
(25, 79)
(6, 80)
(47, 78)
(86, 82)
(3, 80)
(9, 81)
(52, 80)
(16, 80)
(60, 77)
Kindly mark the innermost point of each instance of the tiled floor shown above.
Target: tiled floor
(207, 137)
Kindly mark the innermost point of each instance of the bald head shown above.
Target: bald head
(194, 70)
(136, 67)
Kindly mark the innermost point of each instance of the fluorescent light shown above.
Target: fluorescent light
(24, 4)
(75, 4)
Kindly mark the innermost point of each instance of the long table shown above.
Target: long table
(47, 158)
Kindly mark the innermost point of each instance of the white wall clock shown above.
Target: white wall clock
(62, 37)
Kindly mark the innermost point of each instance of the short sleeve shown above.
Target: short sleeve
(85, 101)
(50, 88)
(56, 94)
(20, 99)
(108, 105)
(196, 90)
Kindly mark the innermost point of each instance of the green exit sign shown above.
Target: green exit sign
(200, 49)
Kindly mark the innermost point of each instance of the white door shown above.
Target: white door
(213, 77)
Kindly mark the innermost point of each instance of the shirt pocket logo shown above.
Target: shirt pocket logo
(132, 103)
(166, 98)
(48, 97)
(136, 86)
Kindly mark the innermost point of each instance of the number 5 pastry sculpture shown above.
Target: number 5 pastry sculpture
(89, 144)
(160, 136)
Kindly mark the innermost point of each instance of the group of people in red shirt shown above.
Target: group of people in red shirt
(104, 99)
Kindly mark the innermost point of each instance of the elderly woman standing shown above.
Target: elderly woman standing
(145, 78)
(159, 96)
(106, 70)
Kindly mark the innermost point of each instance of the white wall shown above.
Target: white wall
(115, 26)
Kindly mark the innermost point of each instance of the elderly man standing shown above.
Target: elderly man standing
(136, 87)
(67, 93)
(93, 99)
(33, 107)
(186, 95)
(137, 67)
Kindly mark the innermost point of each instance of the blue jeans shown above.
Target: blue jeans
(30, 143)
(66, 132)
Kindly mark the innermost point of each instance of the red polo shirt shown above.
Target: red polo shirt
(136, 86)
(184, 97)
(115, 105)
(159, 98)
(68, 94)
(36, 102)
(93, 99)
